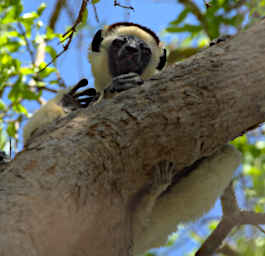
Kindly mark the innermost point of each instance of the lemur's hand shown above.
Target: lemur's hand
(74, 99)
(124, 82)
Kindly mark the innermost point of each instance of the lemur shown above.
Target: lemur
(122, 55)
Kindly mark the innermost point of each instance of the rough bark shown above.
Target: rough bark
(69, 191)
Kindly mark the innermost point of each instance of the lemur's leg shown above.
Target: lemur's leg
(145, 200)
(124, 82)
(74, 99)
(189, 198)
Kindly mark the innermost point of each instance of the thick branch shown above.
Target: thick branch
(67, 193)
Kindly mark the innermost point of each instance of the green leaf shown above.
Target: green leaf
(29, 94)
(185, 28)
(46, 72)
(41, 8)
(18, 9)
(50, 34)
(13, 33)
(95, 1)
(181, 17)
(51, 51)
(20, 108)
(213, 224)
(26, 70)
(29, 17)
(5, 59)
(2, 105)
(84, 20)
(10, 16)
(11, 129)
(13, 46)
(16, 92)
(28, 20)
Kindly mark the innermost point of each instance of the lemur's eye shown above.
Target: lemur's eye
(145, 50)
(118, 42)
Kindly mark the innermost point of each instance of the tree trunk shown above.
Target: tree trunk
(70, 191)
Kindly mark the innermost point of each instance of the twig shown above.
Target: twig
(122, 6)
(197, 13)
(69, 33)
(55, 14)
(212, 243)
(232, 217)
(47, 89)
(207, 4)
(251, 218)
(22, 31)
(79, 18)
(60, 79)
(260, 228)
(228, 200)
(95, 12)
(236, 5)
(227, 223)
(59, 54)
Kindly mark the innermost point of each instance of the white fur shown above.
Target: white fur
(189, 199)
(99, 60)
(46, 114)
(99, 64)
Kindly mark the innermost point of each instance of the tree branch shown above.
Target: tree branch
(56, 13)
(232, 217)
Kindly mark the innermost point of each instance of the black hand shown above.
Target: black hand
(124, 82)
(74, 99)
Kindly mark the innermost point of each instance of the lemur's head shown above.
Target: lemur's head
(122, 48)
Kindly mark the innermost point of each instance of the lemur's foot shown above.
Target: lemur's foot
(219, 39)
(163, 173)
(124, 82)
(74, 99)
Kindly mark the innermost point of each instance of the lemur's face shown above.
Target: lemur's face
(128, 53)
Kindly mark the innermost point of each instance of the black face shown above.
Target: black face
(128, 54)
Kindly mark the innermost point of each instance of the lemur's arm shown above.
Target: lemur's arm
(65, 101)
(144, 201)
(186, 200)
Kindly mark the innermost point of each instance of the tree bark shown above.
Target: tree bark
(70, 191)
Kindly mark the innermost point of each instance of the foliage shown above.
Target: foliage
(202, 23)
(22, 37)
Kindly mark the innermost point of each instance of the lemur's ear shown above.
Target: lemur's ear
(163, 60)
(96, 42)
